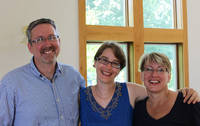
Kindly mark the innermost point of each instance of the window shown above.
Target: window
(105, 12)
(158, 14)
(139, 23)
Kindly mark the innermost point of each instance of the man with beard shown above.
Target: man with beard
(43, 92)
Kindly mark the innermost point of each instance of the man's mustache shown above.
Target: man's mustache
(45, 49)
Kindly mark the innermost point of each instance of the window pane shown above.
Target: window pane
(158, 14)
(170, 51)
(91, 72)
(105, 12)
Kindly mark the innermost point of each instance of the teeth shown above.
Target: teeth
(106, 73)
(154, 82)
(47, 50)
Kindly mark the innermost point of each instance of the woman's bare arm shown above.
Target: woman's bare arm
(136, 92)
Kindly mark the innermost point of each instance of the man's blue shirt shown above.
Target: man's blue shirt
(27, 98)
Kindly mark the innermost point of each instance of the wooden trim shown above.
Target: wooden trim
(109, 33)
(181, 66)
(139, 36)
(163, 35)
(185, 44)
(175, 14)
(127, 13)
(82, 39)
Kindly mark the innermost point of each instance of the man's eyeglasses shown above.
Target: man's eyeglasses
(159, 70)
(50, 38)
(106, 62)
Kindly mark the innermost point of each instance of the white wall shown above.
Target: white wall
(194, 43)
(15, 14)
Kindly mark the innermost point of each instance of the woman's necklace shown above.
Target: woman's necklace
(101, 96)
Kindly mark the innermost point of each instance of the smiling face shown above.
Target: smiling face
(155, 77)
(45, 52)
(106, 73)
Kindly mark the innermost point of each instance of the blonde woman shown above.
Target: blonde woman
(162, 107)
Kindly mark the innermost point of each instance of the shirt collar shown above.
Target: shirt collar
(59, 69)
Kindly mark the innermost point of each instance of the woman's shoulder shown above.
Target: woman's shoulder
(85, 91)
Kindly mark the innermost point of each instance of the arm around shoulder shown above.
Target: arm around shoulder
(136, 92)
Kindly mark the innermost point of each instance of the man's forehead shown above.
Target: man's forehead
(43, 29)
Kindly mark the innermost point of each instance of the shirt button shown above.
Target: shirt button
(58, 100)
(61, 117)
